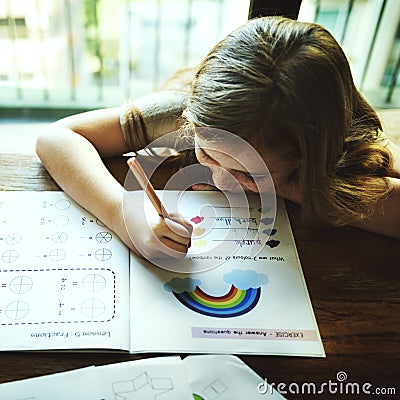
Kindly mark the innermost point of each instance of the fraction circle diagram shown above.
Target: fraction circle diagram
(21, 284)
(103, 254)
(103, 237)
(13, 238)
(93, 308)
(10, 256)
(17, 310)
(63, 204)
(57, 255)
(100, 223)
(94, 282)
(61, 220)
(59, 237)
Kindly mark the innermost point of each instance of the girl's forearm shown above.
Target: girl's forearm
(76, 166)
(386, 218)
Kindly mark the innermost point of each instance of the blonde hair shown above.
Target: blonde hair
(288, 85)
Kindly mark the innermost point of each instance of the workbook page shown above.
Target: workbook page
(252, 300)
(152, 378)
(64, 277)
(77, 384)
(229, 378)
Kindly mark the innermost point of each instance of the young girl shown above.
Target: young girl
(283, 86)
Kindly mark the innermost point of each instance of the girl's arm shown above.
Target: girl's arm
(71, 150)
(386, 218)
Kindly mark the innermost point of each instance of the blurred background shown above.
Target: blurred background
(59, 57)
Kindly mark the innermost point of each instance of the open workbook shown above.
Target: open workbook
(67, 282)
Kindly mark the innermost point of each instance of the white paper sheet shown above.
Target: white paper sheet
(166, 378)
(77, 384)
(225, 377)
(147, 379)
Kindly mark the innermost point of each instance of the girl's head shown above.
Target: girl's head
(286, 87)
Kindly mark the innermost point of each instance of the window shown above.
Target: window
(14, 27)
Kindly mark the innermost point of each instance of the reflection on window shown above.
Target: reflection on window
(368, 30)
(14, 27)
(91, 53)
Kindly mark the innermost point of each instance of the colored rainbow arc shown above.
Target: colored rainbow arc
(232, 304)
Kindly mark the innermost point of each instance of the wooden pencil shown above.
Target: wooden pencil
(146, 185)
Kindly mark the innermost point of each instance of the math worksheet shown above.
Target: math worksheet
(68, 282)
(63, 276)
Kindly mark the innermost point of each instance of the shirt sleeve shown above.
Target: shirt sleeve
(151, 117)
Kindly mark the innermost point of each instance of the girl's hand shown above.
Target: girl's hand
(203, 186)
(152, 236)
(289, 191)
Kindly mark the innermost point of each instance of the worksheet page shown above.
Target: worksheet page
(229, 378)
(64, 277)
(152, 378)
(77, 384)
(167, 378)
(240, 289)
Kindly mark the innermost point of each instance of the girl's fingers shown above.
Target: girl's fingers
(178, 231)
(178, 219)
(203, 186)
(175, 236)
(289, 191)
(174, 249)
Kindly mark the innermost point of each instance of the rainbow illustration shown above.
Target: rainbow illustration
(232, 304)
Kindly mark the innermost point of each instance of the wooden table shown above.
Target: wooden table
(352, 277)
